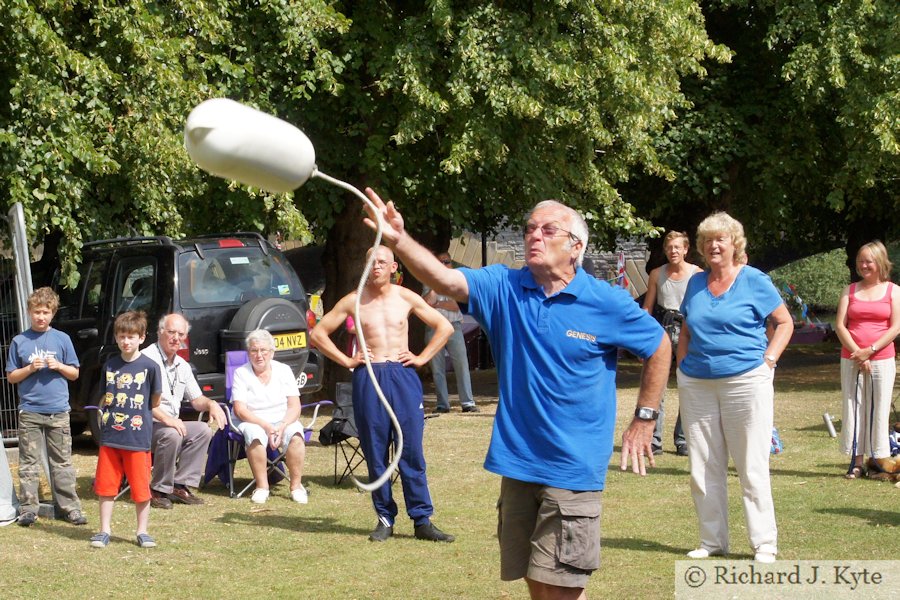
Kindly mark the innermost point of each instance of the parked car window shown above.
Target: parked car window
(69, 301)
(84, 301)
(93, 287)
(234, 276)
(136, 284)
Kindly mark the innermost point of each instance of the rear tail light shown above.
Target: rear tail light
(185, 350)
(310, 323)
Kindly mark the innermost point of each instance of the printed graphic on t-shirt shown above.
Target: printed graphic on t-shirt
(127, 418)
(42, 354)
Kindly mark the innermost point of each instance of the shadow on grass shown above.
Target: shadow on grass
(820, 426)
(83, 533)
(615, 468)
(265, 517)
(873, 516)
(643, 545)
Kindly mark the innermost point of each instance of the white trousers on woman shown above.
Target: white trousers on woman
(730, 415)
(867, 407)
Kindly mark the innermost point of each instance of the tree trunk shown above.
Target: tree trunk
(343, 261)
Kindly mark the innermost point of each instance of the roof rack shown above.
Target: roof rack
(162, 240)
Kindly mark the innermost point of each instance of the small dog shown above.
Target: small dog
(885, 469)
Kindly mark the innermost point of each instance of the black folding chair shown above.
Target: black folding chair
(344, 435)
(341, 432)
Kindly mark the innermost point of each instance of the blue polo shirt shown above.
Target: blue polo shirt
(728, 332)
(556, 366)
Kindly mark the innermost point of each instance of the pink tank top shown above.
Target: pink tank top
(868, 320)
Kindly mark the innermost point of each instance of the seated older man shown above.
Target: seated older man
(179, 447)
(266, 403)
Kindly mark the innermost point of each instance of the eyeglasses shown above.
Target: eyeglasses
(259, 351)
(176, 334)
(549, 230)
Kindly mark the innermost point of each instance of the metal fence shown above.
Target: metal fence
(15, 286)
(9, 327)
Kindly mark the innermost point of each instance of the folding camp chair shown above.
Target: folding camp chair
(343, 434)
(347, 452)
(227, 446)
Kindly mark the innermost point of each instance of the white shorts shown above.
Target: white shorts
(252, 432)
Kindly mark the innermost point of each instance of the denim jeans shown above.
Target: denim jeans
(456, 346)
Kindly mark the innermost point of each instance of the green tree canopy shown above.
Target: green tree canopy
(465, 113)
(797, 137)
(94, 98)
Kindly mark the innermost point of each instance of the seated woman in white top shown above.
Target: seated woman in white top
(266, 403)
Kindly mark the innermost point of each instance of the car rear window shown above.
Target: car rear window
(233, 276)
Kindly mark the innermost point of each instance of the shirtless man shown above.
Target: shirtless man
(384, 312)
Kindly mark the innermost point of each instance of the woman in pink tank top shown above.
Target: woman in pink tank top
(868, 320)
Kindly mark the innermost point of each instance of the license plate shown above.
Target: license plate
(290, 341)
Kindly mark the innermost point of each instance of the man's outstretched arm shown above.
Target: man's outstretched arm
(415, 257)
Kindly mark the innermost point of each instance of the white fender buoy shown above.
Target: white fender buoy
(233, 141)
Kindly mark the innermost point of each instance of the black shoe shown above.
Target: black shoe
(441, 409)
(160, 500)
(182, 495)
(657, 450)
(27, 519)
(76, 517)
(381, 533)
(429, 531)
(681, 450)
(470, 408)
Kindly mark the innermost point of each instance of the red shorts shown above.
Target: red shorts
(113, 463)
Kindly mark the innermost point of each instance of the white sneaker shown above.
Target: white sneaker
(299, 495)
(702, 553)
(259, 496)
(765, 553)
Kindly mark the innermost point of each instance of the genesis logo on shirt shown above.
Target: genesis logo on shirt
(581, 335)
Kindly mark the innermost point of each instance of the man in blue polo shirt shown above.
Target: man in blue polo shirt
(555, 333)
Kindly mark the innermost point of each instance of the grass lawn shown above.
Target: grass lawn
(230, 548)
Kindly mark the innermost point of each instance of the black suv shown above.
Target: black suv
(224, 285)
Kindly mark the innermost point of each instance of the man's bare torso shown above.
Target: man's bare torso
(384, 312)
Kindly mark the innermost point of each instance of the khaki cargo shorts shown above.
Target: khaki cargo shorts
(548, 534)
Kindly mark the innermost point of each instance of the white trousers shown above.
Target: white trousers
(867, 407)
(730, 415)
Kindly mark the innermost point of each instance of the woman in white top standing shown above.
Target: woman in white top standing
(665, 291)
(267, 405)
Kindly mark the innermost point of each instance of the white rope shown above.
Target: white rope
(374, 485)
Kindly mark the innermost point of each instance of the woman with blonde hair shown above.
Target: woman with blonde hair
(868, 320)
(726, 365)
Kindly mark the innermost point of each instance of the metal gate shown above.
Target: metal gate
(15, 287)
